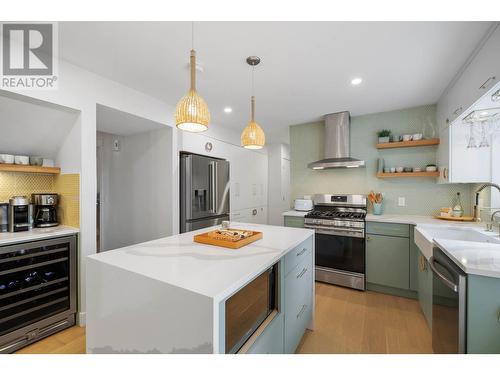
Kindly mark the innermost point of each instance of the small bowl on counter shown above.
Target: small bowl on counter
(21, 160)
(6, 159)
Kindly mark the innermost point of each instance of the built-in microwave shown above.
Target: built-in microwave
(250, 309)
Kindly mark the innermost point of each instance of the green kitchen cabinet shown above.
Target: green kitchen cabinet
(414, 254)
(483, 314)
(294, 221)
(425, 287)
(387, 261)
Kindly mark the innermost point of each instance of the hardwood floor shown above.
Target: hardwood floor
(350, 321)
(69, 341)
(347, 321)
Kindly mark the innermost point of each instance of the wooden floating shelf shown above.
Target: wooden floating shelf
(421, 143)
(408, 174)
(29, 169)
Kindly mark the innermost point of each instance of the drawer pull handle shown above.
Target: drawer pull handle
(301, 273)
(486, 83)
(304, 307)
(301, 252)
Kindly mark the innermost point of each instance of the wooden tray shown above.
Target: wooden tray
(451, 218)
(205, 239)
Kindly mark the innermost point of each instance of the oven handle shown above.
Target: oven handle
(450, 284)
(359, 233)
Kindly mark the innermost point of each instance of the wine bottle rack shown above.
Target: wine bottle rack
(37, 290)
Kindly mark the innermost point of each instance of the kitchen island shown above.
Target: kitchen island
(169, 295)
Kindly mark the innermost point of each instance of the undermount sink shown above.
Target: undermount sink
(459, 234)
(425, 235)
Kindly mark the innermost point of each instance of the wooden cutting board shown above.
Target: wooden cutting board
(204, 238)
(451, 218)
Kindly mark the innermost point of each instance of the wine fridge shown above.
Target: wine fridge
(37, 290)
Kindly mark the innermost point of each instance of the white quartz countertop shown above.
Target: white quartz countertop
(419, 220)
(8, 238)
(212, 271)
(295, 213)
(473, 257)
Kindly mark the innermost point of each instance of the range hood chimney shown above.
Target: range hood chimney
(337, 143)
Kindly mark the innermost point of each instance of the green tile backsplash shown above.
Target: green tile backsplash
(423, 195)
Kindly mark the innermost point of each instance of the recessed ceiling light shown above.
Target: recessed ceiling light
(228, 110)
(356, 81)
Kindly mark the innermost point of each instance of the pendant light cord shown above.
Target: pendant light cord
(192, 34)
(253, 94)
(192, 59)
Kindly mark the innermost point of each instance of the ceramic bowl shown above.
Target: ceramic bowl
(21, 159)
(407, 137)
(431, 168)
(400, 169)
(393, 170)
(36, 160)
(6, 159)
(417, 136)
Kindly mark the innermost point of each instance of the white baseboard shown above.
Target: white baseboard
(80, 319)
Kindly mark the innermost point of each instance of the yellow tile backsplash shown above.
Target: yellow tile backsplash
(66, 185)
(68, 188)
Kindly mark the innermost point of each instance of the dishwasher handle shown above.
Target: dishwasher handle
(450, 284)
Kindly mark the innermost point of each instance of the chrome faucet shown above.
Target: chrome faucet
(492, 221)
(477, 211)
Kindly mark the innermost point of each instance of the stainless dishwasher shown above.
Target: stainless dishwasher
(449, 305)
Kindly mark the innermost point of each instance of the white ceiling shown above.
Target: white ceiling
(306, 67)
(32, 128)
(113, 121)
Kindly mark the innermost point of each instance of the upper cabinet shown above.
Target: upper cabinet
(457, 163)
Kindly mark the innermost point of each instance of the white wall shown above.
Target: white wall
(136, 202)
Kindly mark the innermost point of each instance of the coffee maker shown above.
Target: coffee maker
(19, 214)
(45, 210)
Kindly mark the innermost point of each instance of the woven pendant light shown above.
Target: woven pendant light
(191, 113)
(253, 136)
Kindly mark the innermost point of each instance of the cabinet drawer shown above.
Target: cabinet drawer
(271, 340)
(298, 303)
(388, 229)
(387, 261)
(292, 221)
(298, 255)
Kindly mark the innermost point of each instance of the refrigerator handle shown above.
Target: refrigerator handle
(212, 186)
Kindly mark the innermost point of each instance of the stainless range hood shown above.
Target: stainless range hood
(337, 143)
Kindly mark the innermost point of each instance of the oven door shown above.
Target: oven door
(340, 252)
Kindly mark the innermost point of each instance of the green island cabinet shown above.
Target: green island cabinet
(391, 259)
(296, 303)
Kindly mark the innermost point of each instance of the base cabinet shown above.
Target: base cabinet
(271, 340)
(483, 314)
(293, 221)
(425, 288)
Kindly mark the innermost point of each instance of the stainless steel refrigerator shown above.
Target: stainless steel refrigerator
(204, 191)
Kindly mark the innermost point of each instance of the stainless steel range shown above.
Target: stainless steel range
(339, 223)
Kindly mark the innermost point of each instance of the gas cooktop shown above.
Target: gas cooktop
(336, 214)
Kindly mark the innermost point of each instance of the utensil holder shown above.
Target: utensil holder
(377, 208)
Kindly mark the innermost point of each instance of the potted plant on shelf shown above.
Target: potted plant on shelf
(384, 136)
